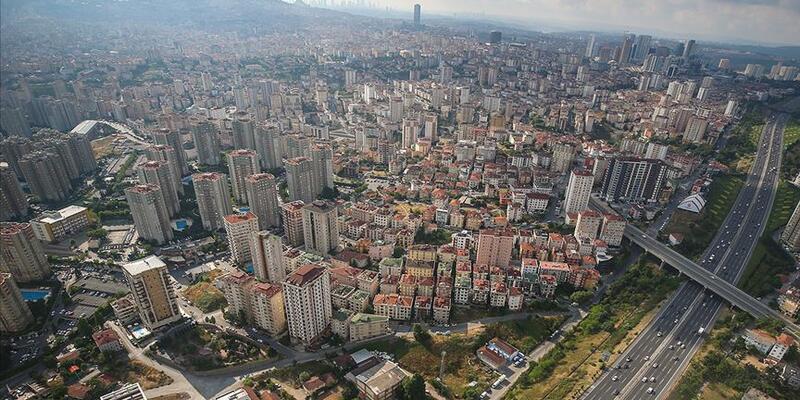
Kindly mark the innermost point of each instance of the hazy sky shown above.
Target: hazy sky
(767, 21)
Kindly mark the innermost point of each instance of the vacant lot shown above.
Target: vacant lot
(204, 295)
(203, 349)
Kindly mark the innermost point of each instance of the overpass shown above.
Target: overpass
(708, 279)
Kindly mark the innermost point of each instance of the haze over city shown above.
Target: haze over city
(324, 199)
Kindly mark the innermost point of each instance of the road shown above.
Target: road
(540, 351)
(664, 349)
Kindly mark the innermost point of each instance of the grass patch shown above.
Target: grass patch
(769, 259)
(573, 363)
(525, 334)
(466, 314)
(204, 295)
(699, 229)
(791, 154)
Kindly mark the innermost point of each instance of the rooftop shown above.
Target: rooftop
(305, 274)
(143, 264)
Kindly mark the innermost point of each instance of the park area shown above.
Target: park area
(204, 348)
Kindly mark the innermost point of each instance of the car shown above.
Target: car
(614, 378)
(671, 347)
(628, 359)
(655, 365)
(659, 334)
(644, 379)
(650, 390)
(647, 358)
(652, 379)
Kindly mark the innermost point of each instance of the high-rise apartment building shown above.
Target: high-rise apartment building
(21, 253)
(642, 47)
(417, 10)
(300, 179)
(152, 290)
(579, 188)
(267, 253)
(292, 215)
(322, 158)
(165, 153)
(158, 173)
(590, 46)
(241, 164)
(173, 138)
(320, 227)
(243, 132)
(563, 155)
(695, 130)
(239, 228)
(791, 233)
(213, 198)
(307, 293)
(262, 195)
(149, 212)
(206, 141)
(259, 303)
(13, 203)
(236, 287)
(633, 179)
(268, 307)
(495, 247)
(15, 315)
(396, 109)
(45, 173)
(588, 224)
(268, 146)
(613, 229)
(626, 49)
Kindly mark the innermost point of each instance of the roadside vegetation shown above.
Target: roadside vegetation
(725, 368)
(699, 229)
(571, 366)
(769, 260)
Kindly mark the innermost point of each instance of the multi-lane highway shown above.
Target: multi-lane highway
(650, 366)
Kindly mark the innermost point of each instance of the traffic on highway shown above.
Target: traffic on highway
(654, 361)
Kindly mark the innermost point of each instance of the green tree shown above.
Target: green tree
(421, 335)
(581, 297)
(413, 388)
(98, 233)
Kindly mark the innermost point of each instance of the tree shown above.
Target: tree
(98, 233)
(413, 388)
(421, 335)
(581, 296)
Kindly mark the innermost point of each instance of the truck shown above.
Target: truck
(701, 330)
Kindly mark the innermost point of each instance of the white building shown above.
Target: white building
(307, 292)
(239, 228)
